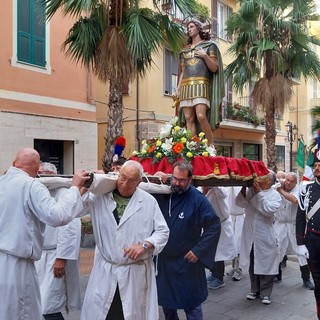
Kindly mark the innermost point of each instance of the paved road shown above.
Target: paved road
(290, 300)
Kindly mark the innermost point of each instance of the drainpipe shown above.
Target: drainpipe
(137, 114)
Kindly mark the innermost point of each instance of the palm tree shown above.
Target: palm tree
(116, 39)
(271, 46)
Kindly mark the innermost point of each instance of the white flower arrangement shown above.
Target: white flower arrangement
(175, 142)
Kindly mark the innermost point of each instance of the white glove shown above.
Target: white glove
(303, 251)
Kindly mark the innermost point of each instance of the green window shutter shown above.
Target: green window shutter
(39, 33)
(24, 32)
(31, 32)
(39, 51)
(24, 46)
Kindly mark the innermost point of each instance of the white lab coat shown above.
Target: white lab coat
(237, 216)
(258, 230)
(285, 226)
(218, 198)
(25, 207)
(142, 220)
(60, 294)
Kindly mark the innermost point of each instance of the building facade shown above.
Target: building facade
(148, 101)
(45, 99)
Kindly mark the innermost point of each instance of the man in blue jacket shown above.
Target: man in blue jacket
(194, 235)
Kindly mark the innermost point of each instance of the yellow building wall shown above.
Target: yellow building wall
(50, 103)
(155, 109)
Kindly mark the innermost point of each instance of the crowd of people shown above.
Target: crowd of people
(151, 249)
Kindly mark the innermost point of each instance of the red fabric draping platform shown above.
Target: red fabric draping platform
(211, 167)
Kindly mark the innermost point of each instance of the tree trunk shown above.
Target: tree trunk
(115, 121)
(270, 137)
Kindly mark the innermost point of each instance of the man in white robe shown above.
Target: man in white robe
(129, 228)
(285, 226)
(58, 268)
(237, 218)
(259, 250)
(226, 249)
(25, 208)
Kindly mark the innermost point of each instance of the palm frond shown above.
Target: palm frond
(241, 71)
(277, 26)
(187, 8)
(173, 34)
(143, 37)
(83, 40)
(70, 7)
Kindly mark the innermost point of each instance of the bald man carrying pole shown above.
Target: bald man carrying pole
(25, 208)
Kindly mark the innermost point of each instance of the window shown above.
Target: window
(170, 72)
(50, 151)
(251, 151)
(223, 150)
(167, 5)
(31, 32)
(58, 152)
(223, 14)
(170, 8)
(280, 157)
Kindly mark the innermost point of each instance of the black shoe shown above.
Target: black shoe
(308, 284)
(284, 262)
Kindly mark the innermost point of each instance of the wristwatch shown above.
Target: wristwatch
(145, 246)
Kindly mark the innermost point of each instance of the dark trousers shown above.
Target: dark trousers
(116, 311)
(305, 272)
(279, 275)
(262, 284)
(313, 246)
(218, 270)
(192, 314)
(53, 316)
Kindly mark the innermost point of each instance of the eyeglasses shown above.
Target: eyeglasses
(124, 178)
(180, 180)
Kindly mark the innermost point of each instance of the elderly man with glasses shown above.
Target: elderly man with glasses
(129, 228)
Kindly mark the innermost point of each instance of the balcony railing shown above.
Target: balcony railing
(241, 113)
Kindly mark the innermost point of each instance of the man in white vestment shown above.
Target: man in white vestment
(285, 226)
(259, 250)
(58, 268)
(237, 218)
(129, 228)
(25, 208)
(226, 249)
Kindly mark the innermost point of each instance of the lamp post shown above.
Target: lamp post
(292, 131)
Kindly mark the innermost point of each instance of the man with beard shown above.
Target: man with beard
(194, 235)
(308, 228)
